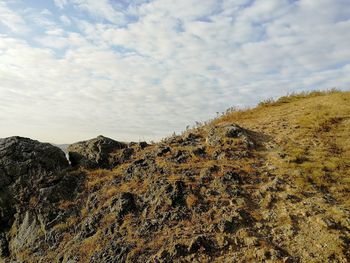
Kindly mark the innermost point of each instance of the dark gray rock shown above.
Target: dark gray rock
(199, 151)
(140, 168)
(219, 154)
(142, 145)
(53, 238)
(4, 250)
(172, 253)
(62, 188)
(149, 226)
(122, 156)
(227, 226)
(234, 220)
(177, 196)
(162, 150)
(94, 153)
(217, 134)
(213, 138)
(28, 231)
(123, 204)
(201, 242)
(248, 142)
(180, 213)
(206, 171)
(93, 202)
(234, 191)
(191, 136)
(25, 166)
(157, 195)
(33, 179)
(231, 177)
(234, 131)
(21, 156)
(180, 156)
(190, 139)
(7, 208)
(90, 225)
(137, 166)
(115, 251)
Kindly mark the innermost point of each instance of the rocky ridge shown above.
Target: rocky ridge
(216, 193)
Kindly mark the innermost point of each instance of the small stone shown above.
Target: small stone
(231, 177)
(201, 242)
(180, 156)
(199, 151)
(142, 145)
(234, 131)
(123, 204)
(162, 150)
(177, 195)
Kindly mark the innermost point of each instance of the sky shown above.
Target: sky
(143, 69)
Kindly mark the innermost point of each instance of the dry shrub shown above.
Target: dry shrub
(108, 220)
(98, 177)
(89, 246)
(65, 204)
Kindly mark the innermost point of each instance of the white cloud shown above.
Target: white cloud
(170, 66)
(65, 20)
(60, 3)
(184, 10)
(102, 9)
(55, 42)
(46, 12)
(11, 19)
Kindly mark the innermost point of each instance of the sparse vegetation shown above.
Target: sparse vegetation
(295, 96)
(273, 189)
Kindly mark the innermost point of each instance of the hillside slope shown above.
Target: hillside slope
(269, 184)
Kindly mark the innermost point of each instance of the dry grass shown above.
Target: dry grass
(70, 222)
(191, 200)
(66, 204)
(88, 247)
(312, 130)
(107, 220)
(110, 191)
(33, 201)
(98, 177)
(295, 97)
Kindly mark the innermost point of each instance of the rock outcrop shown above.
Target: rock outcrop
(22, 156)
(32, 179)
(94, 153)
(219, 135)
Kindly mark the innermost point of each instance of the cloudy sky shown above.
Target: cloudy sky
(140, 70)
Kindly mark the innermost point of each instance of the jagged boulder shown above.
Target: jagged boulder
(94, 153)
(20, 156)
(26, 167)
